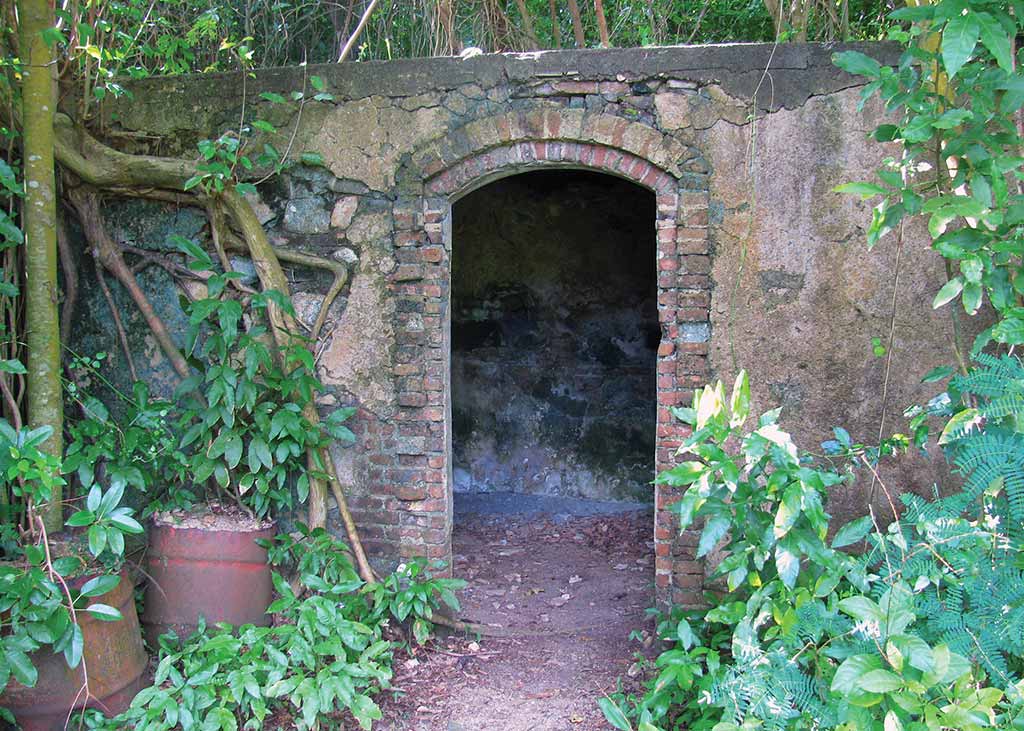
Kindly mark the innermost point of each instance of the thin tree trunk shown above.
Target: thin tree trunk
(359, 29)
(602, 24)
(577, 24)
(556, 29)
(39, 215)
(445, 42)
(531, 37)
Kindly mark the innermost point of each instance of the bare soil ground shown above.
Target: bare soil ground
(568, 592)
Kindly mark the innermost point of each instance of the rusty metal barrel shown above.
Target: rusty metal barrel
(113, 657)
(220, 575)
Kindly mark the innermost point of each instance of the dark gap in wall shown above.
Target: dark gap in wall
(554, 337)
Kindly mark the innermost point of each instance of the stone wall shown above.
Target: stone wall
(758, 263)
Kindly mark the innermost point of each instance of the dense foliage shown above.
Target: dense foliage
(909, 618)
(329, 651)
(917, 627)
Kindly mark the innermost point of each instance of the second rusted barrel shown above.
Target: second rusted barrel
(217, 572)
(112, 656)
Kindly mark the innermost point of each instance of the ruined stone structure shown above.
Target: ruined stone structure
(753, 262)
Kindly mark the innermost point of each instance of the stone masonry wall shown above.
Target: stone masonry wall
(759, 265)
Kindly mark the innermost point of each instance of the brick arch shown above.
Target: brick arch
(516, 157)
(485, 150)
(552, 136)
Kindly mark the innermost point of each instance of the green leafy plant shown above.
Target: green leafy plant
(914, 632)
(329, 651)
(411, 592)
(952, 102)
(241, 415)
(39, 602)
(135, 451)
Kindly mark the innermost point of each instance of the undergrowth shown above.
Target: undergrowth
(910, 620)
(327, 654)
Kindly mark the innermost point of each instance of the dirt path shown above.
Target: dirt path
(571, 591)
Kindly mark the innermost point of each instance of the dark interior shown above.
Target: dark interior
(554, 337)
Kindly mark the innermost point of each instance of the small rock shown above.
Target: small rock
(575, 579)
(306, 216)
(343, 211)
(346, 255)
(620, 567)
(545, 618)
(411, 663)
(473, 647)
(560, 601)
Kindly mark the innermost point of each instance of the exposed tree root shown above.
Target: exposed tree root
(121, 334)
(102, 166)
(86, 202)
(67, 264)
(283, 325)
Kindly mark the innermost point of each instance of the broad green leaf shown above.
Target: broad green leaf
(995, 39)
(880, 681)
(233, 450)
(959, 38)
(892, 722)
(713, 532)
(849, 673)
(971, 297)
(852, 532)
(949, 292)
(939, 373)
(104, 612)
(685, 634)
(952, 118)
(683, 474)
(100, 585)
(709, 406)
(788, 512)
(97, 539)
(1009, 331)
(787, 563)
(127, 524)
(739, 405)
(861, 608)
(613, 714)
(73, 651)
(21, 667)
(856, 63)
(959, 424)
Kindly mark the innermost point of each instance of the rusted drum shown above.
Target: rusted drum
(221, 575)
(112, 655)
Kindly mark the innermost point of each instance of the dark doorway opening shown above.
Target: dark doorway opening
(554, 336)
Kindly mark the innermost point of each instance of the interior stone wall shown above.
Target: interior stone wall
(759, 263)
(554, 337)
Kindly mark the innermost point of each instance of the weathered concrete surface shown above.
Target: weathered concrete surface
(798, 297)
(759, 265)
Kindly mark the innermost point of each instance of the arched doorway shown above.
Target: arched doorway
(554, 338)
